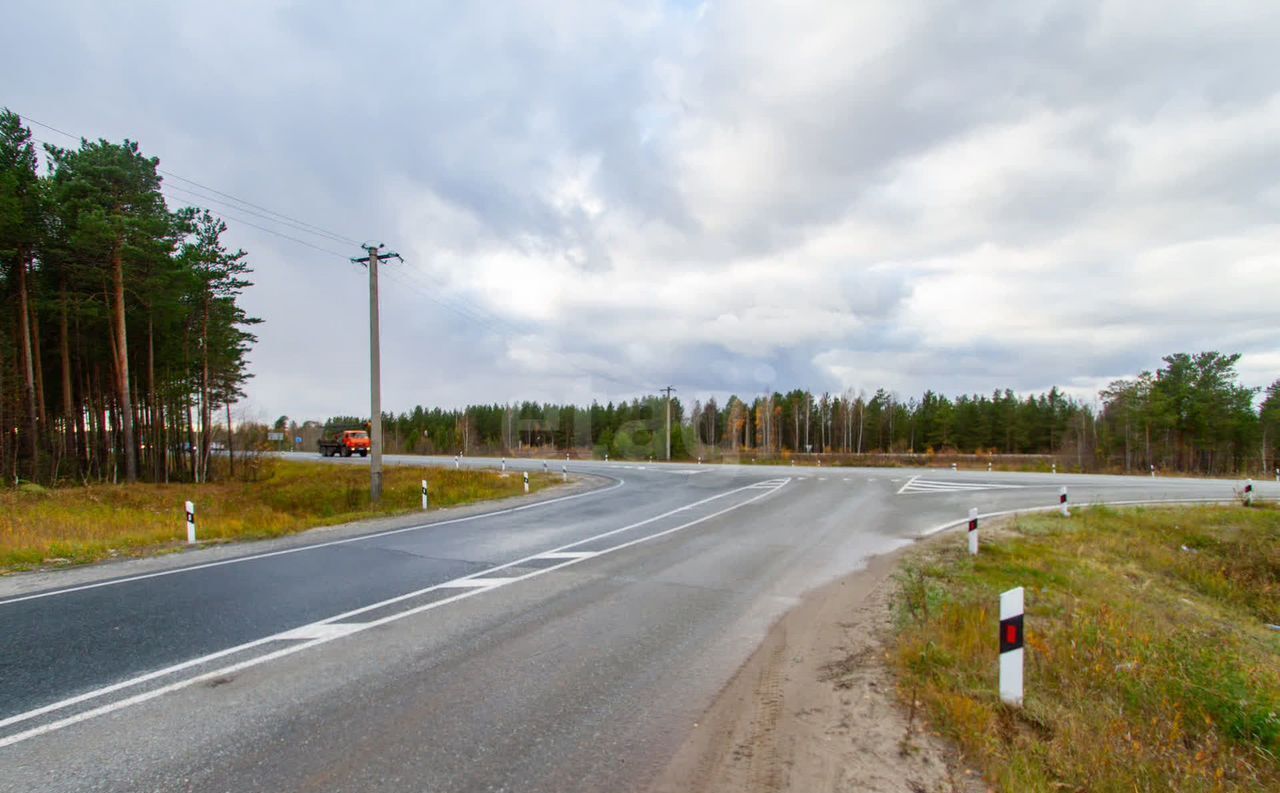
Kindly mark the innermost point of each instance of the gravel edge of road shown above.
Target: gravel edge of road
(815, 706)
(31, 581)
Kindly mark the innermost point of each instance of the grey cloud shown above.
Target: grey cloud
(344, 115)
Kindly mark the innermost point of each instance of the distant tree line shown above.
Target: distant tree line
(120, 335)
(1191, 415)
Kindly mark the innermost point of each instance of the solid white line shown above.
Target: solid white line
(340, 617)
(356, 628)
(1055, 507)
(238, 559)
(567, 555)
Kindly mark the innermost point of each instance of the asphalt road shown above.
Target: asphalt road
(569, 645)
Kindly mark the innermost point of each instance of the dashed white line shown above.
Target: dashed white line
(324, 630)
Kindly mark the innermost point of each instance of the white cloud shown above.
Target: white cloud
(597, 198)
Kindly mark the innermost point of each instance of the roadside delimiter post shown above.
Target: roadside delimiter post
(526, 481)
(973, 531)
(1062, 503)
(1248, 493)
(1011, 630)
(191, 523)
(424, 494)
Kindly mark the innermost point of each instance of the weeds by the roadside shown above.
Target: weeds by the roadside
(40, 526)
(1150, 662)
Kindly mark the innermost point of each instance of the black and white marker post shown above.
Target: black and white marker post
(526, 481)
(1248, 493)
(191, 523)
(1062, 503)
(1011, 637)
(973, 531)
(424, 495)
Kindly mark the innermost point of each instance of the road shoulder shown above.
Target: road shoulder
(814, 708)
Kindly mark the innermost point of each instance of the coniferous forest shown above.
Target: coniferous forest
(1191, 415)
(122, 346)
(120, 337)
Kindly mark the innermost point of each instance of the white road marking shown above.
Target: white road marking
(846, 479)
(301, 548)
(567, 555)
(471, 583)
(349, 628)
(328, 630)
(918, 485)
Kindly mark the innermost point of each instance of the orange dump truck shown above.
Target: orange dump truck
(345, 443)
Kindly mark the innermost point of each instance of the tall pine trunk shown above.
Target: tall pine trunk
(155, 445)
(231, 452)
(70, 448)
(121, 338)
(26, 360)
(206, 405)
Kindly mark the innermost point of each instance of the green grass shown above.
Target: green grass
(75, 525)
(1149, 662)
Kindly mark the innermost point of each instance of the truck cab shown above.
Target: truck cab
(346, 443)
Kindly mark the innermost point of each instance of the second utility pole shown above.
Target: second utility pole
(375, 373)
(668, 390)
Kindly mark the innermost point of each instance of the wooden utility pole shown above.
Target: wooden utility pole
(375, 371)
(668, 391)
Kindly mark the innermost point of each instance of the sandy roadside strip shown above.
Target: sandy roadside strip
(814, 708)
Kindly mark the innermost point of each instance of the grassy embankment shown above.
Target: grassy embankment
(75, 525)
(1150, 665)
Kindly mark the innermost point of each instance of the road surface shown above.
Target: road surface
(569, 645)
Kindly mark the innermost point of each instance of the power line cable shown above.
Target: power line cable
(460, 306)
(183, 202)
(323, 235)
(337, 237)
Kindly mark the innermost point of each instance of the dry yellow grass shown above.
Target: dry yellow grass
(1150, 665)
(83, 524)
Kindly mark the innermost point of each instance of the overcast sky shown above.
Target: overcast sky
(596, 199)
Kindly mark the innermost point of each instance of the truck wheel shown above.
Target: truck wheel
(364, 452)
(346, 452)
